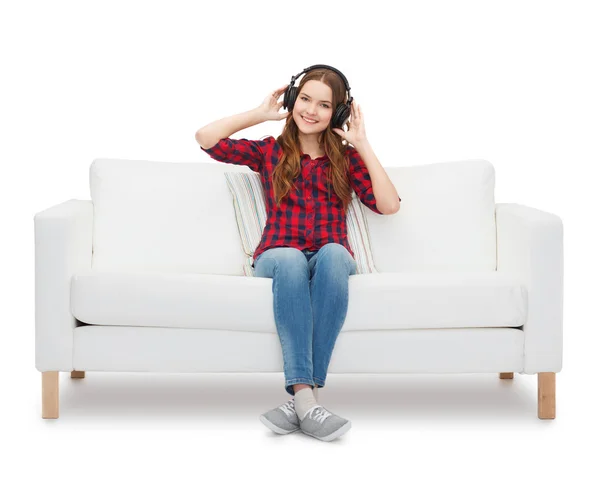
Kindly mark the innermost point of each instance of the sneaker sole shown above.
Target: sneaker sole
(276, 429)
(334, 435)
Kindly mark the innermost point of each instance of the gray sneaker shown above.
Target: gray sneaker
(283, 419)
(324, 425)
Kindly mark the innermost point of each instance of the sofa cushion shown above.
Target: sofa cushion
(251, 217)
(446, 220)
(164, 216)
(377, 301)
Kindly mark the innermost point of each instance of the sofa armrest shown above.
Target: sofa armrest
(530, 246)
(63, 245)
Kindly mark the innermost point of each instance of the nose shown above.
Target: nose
(311, 109)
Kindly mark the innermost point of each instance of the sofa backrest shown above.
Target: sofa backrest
(164, 216)
(179, 217)
(446, 220)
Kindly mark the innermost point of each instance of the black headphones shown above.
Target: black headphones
(342, 111)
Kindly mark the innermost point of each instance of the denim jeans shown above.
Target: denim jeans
(310, 303)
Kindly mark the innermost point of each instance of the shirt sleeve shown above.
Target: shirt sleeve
(360, 180)
(243, 152)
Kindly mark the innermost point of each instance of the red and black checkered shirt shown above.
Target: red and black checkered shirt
(306, 218)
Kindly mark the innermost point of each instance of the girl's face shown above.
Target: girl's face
(314, 102)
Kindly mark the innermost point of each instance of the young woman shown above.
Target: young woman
(308, 175)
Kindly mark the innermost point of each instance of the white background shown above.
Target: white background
(513, 82)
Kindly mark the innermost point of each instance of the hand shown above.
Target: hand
(356, 132)
(270, 107)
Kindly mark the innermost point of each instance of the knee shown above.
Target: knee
(337, 254)
(290, 259)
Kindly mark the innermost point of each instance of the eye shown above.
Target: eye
(306, 99)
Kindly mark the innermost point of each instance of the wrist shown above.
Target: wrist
(361, 143)
(259, 115)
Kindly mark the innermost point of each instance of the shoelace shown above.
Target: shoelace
(319, 414)
(288, 408)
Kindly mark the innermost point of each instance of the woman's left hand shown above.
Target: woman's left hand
(356, 131)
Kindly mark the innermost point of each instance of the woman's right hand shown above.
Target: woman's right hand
(270, 107)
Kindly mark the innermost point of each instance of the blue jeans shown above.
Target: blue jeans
(310, 302)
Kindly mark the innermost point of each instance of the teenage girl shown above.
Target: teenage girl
(308, 175)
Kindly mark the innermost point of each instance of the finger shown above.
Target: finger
(278, 93)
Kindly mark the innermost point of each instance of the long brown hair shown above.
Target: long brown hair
(289, 167)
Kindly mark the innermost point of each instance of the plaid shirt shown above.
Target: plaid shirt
(306, 219)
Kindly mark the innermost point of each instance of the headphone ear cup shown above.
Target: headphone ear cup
(289, 98)
(342, 113)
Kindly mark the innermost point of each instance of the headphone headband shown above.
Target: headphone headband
(324, 66)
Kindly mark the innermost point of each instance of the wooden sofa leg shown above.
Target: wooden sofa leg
(546, 395)
(77, 374)
(506, 375)
(50, 395)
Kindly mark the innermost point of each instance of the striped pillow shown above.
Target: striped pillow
(251, 217)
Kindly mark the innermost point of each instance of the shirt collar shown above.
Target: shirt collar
(316, 159)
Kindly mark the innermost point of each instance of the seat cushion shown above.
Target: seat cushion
(377, 301)
(251, 217)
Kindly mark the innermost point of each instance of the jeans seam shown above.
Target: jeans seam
(275, 289)
(319, 381)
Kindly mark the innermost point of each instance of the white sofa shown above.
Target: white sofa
(148, 276)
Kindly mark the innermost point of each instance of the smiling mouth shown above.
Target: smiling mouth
(307, 121)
